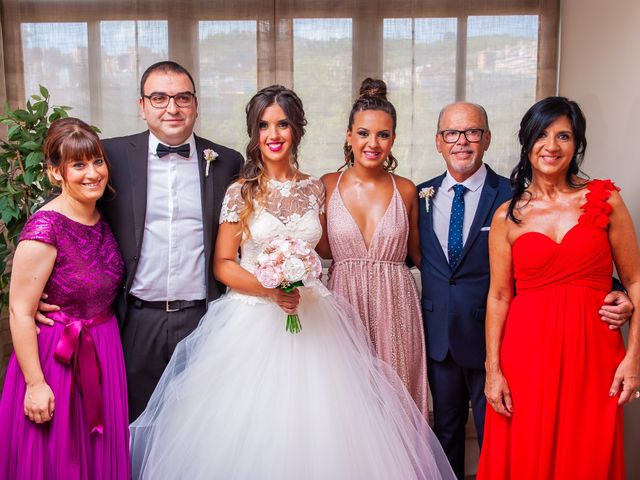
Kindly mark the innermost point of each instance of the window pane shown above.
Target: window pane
(420, 71)
(228, 79)
(127, 49)
(55, 56)
(322, 79)
(502, 53)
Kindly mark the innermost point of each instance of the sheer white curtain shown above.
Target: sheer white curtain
(91, 55)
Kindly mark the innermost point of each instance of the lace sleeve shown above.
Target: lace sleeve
(319, 192)
(40, 227)
(232, 204)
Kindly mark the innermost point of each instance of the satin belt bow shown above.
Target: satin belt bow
(183, 150)
(77, 349)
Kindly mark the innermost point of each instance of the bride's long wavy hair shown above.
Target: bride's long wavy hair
(252, 175)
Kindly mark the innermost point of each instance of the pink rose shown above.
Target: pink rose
(302, 249)
(268, 276)
(316, 265)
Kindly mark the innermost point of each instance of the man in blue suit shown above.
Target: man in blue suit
(456, 209)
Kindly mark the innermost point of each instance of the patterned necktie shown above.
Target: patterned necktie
(455, 225)
(182, 150)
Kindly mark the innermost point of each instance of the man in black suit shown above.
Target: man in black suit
(169, 185)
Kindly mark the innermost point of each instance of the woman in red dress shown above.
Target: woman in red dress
(556, 374)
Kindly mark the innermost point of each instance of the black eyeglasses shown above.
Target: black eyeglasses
(161, 100)
(473, 135)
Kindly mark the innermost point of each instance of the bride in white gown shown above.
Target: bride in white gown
(244, 399)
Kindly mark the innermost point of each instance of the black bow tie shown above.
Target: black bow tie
(182, 150)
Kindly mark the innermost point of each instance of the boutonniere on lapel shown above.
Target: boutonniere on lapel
(210, 156)
(427, 193)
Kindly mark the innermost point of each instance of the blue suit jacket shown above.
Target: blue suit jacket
(454, 300)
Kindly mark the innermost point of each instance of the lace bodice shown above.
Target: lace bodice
(291, 208)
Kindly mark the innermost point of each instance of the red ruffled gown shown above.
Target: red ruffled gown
(559, 359)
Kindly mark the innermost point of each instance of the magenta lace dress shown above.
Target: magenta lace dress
(82, 361)
(378, 283)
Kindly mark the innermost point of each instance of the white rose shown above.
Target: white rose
(285, 249)
(294, 269)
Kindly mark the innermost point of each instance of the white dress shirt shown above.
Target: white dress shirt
(443, 198)
(172, 260)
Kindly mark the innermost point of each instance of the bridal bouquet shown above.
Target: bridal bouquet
(286, 263)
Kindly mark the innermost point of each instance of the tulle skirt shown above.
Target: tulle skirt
(244, 399)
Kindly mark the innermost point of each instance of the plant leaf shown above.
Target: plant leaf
(14, 133)
(30, 145)
(34, 158)
(6, 216)
(21, 115)
(28, 176)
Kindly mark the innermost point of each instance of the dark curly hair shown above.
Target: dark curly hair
(537, 118)
(373, 96)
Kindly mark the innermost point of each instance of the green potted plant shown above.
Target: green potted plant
(23, 187)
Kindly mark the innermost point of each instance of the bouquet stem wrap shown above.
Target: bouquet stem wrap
(293, 321)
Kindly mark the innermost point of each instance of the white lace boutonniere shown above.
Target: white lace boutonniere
(210, 156)
(427, 193)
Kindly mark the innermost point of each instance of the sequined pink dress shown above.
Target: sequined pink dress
(82, 361)
(378, 283)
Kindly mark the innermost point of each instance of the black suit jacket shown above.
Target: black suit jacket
(126, 209)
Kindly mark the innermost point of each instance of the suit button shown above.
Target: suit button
(452, 282)
(135, 258)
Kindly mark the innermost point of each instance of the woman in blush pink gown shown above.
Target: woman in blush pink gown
(371, 226)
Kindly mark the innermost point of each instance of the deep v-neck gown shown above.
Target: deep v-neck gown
(378, 283)
(559, 359)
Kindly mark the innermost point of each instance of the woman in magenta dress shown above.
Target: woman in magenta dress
(372, 222)
(63, 412)
(556, 374)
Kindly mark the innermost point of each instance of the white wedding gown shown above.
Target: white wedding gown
(244, 399)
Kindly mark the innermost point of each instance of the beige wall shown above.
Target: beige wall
(600, 69)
